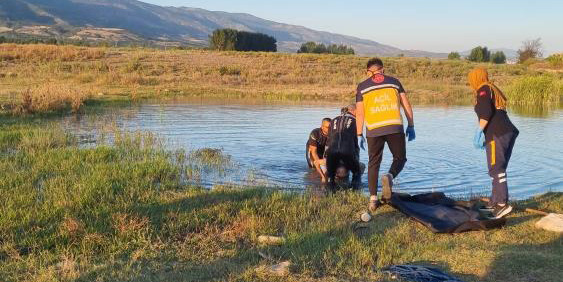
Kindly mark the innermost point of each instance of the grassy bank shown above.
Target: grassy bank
(43, 76)
(121, 212)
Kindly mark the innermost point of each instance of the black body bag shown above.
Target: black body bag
(442, 214)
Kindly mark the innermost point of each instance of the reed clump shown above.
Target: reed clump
(556, 60)
(536, 90)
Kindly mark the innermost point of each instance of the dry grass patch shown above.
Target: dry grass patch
(44, 53)
(51, 97)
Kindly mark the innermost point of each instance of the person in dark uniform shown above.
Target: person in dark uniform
(496, 133)
(315, 148)
(379, 99)
(343, 152)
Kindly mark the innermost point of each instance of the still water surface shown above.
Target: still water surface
(267, 143)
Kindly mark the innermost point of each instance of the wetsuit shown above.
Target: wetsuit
(316, 139)
(500, 136)
(343, 149)
(380, 95)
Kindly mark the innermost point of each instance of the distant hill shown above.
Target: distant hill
(130, 20)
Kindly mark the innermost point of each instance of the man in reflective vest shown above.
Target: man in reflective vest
(378, 100)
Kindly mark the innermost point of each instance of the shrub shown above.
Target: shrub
(454, 56)
(531, 49)
(133, 65)
(229, 70)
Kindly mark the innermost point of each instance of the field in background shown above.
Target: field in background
(38, 78)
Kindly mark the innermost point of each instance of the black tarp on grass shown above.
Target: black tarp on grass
(442, 214)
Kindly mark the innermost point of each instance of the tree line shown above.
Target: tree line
(50, 41)
(65, 41)
(234, 40)
(481, 54)
(531, 49)
(320, 48)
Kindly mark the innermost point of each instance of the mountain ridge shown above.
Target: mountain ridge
(173, 24)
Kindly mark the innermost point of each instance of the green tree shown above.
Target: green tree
(234, 40)
(479, 54)
(498, 57)
(320, 49)
(223, 39)
(249, 41)
(454, 56)
(307, 47)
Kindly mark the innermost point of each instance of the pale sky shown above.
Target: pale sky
(431, 25)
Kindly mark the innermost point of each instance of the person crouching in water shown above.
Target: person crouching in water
(495, 132)
(316, 146)
(343, 152)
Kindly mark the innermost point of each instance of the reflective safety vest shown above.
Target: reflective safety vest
(382, 105)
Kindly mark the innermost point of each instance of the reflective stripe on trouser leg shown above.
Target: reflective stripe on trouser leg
(500, 188)
(493, 153)
(502, 177)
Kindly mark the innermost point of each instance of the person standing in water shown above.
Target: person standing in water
(496, 133)
(378, 104)
(315, 148)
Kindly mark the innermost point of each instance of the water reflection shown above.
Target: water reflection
(536, 111)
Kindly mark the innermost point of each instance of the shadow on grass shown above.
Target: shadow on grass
(305, 251)
(308, 252)
(529, 262)
(532, 262)
(176, 223)
(159, 213)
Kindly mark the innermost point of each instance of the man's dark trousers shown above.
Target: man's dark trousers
(397, 145)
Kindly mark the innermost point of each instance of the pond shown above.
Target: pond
(267, 145)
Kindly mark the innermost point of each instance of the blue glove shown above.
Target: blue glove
(479, 139)
(410, 134)
(362, 142)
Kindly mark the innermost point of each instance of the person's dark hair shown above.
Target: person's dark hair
(327, 119)
(375, 62)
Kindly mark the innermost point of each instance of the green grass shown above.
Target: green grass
(120, 212)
